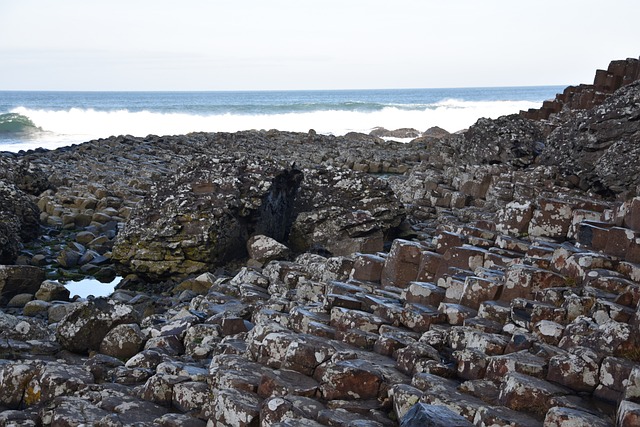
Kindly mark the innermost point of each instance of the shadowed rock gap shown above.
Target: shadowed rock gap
(276, 215)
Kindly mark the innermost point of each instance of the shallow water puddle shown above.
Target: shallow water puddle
(89, 286)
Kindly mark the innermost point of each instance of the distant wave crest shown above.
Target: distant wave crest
(14, 123)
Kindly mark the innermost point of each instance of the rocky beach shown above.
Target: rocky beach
(488, 277)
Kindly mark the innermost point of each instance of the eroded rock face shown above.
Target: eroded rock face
(599, 148)
(19, 216)
(204, 215)
(342, 212)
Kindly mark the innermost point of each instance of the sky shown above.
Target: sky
(307, 44)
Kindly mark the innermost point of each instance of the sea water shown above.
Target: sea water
(30, 120)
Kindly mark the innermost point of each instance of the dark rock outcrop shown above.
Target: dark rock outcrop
(203, 216)
(397, 133)
(509, 140)
(599, 149)
(23, 174)
(341, 212)
(19, 216)
(433, 416)
(19, 221)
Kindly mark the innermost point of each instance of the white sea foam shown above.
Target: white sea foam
(75, 125)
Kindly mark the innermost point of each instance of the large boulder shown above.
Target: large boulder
(264, 249)
(202, 216)
(85, 326)
(599, 149)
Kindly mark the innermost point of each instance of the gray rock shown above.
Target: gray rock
(55, 379)
(17, 419)
(200, 340)
(129, 411)
(14, 378)
(398, 133)
(68, 258)
(27, 176)
(85, 237)
(74, 411)
(178, 420)
(234, 407)
(264, 249)
(36, 308)
(22, 328)
(57, 311)
(191, 395)
(340, 212)
(147, 359)
(123, 341)
(510, 140)
(87, 324)
(159, 388)
(19, 301)
(424, 415)
(102, 367)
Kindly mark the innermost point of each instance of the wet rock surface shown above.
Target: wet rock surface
(509, 294)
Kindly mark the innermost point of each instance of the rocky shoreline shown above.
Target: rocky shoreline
(489, 277)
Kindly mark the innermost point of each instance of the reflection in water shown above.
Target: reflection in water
(89, 286)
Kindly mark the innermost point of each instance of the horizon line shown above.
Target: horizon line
(275, 90)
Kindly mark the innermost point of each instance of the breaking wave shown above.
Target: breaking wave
(79, 125)
(14, 123)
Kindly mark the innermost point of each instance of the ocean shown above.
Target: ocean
(30, 120)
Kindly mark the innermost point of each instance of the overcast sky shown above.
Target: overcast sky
(306, 44)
